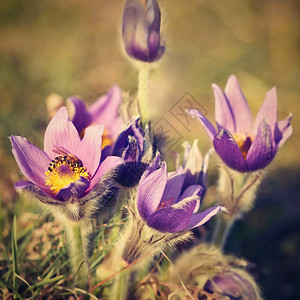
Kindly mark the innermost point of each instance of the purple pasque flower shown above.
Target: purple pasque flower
(69, 168)
(243, 145)
(164, 206)
(141, 30)
(135, 147)
(104, 111)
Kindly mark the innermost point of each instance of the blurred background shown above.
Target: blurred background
(73, 48)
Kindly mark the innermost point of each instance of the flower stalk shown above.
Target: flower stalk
(222, 230)
(78, 258)
(142, 94)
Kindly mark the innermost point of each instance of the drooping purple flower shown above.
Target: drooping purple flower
(69, 168)
(135, 147)
(141, 30)
(104, 111)
(163, 205)
(242, 145)
(130, 143)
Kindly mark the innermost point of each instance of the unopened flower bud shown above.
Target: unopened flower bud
(141, 30)
(223, 276)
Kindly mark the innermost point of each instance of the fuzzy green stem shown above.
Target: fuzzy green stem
(77, 253)
(222, 231)
(119, 289)
(143, 93)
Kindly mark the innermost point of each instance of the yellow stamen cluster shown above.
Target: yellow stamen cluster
(64, 170)
(244, 142)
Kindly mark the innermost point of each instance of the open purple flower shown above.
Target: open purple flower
(104, 111)
(141, 30)
(69, 168)
(164, 206)
(242, 145)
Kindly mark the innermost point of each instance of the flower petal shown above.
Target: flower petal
(227, 148)
(191, 191)
(223, 112)
(106, 111)
(192, 163)
(37, 192)
(174, 186)
(202, 217)
(74, 190)
(133, 129)
(32, 161)
(283, 131)
(89, 151)
(267, 111)
(61, 133)
(78, 113)
(172, 218)
(239, 105)
(108, 164)
(150, 191)
(209, 128)
(194, 191)
(261, 151)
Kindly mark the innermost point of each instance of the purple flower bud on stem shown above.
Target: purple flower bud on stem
(141, 30)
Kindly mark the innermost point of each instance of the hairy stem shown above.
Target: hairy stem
(143, 93)
(222, 231)
(77, 253)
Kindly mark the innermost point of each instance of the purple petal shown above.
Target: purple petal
(283, 131)
(192, 163)
(106, 111)
(155, 164)
(223, 112)
(74, 190)
(202, 217)
(194, 191)
(108, 164)
(89, 151)
(32, 161)
(150, 191)
(132, 130)
(239, 105)
(192, 157)
(78, 114)
(267, 111)
(261, 151)
(227, 148)
(37, 192)
(28, 185)
(209, 128)
(61, 133)
(174, 186)
(172, 218)
(191, 191)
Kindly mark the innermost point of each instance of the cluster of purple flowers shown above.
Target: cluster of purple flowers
(90, 150)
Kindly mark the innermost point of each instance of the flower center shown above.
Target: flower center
(63, 170)
(244, 142)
